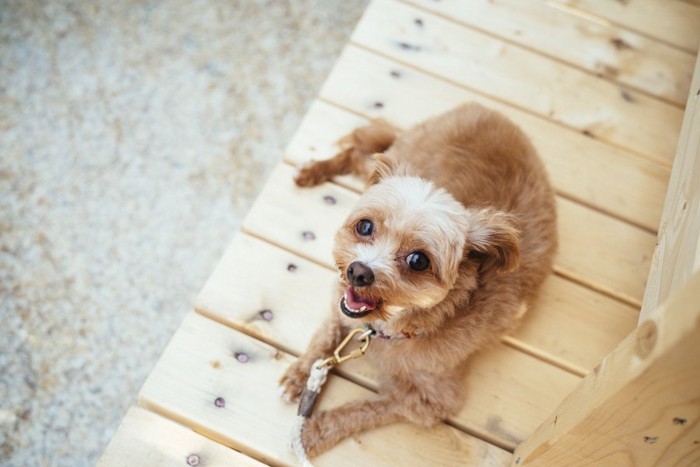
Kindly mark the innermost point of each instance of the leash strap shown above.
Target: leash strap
(317, 377)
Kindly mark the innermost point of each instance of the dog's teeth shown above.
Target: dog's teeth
(363, 308)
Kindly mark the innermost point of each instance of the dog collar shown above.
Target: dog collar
(378, 333)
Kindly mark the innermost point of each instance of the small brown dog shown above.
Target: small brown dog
(442, 255)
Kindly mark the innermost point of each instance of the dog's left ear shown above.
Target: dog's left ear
(493, 240)
(384, 166)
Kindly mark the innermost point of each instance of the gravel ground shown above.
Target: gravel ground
(134, 136)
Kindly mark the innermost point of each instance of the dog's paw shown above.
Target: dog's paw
(311, 174)
(293, 381)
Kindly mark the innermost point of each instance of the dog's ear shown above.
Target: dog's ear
(493, 241)
(385, 165)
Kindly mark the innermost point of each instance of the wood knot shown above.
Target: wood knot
(647, 335)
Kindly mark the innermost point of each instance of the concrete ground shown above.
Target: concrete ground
(134, 136)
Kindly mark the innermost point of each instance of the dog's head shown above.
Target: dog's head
(406, 242)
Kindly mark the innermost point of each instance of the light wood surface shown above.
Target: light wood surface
(582, 168)
(588, 239)
(495, 68)
(203, 364)
(677, 255)
(500, 383)
(569, 325)
(640, 406)
(676, 22)
(598, 87)
(147, 439)
(601, 48)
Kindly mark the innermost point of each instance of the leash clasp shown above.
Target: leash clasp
(337, 359)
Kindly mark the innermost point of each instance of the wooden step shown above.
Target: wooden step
(507, 73)
(223, 384)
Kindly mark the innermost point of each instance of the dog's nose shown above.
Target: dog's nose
(359, 274)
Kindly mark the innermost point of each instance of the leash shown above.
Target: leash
(317, 377)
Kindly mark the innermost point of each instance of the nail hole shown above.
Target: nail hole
(679, 421)
(395, 74)
(193, 459)
(220, 402)
(291, 267)
(267, 315)
(418, 21)
(650, 439)
(328, 199)
(620, 44)
(627, 96)
(517, 461)
(242, 356)
(407, 46)
(308, 235)
(378, 105)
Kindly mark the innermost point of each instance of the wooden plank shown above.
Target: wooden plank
(523, 78)
(144, 438)
(600, 251)
(569, 324)
(203, 364)
(676, 22)
(507, 391)
(573, 325)
(581, 168)
(604, 49)
(640, 406)
(677, 255)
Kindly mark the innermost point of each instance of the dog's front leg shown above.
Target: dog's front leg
(325, 429)
(323, 343)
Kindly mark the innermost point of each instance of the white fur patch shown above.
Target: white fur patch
(377, 256)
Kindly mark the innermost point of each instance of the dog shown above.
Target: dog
(442, 255)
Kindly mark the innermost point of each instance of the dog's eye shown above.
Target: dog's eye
(364, 228)
(418, 261)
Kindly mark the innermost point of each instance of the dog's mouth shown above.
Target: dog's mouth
(355, 306)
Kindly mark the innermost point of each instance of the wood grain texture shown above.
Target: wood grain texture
(642, 404)
(677, 255)
(145, 438)
(676, 22)
(581, 167)
(203, 364)
(520, 77)
(604, 49)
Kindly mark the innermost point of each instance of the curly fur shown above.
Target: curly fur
(467, 189)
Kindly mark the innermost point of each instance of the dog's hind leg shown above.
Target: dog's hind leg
(353, 158)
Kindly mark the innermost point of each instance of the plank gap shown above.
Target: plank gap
(528, 349)
(619, 296)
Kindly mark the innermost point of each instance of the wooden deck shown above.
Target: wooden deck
(600, 88)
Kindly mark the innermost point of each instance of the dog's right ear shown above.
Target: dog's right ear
(494, 241)
(385, 165)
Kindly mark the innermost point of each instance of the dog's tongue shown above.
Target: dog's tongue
(356, 302)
